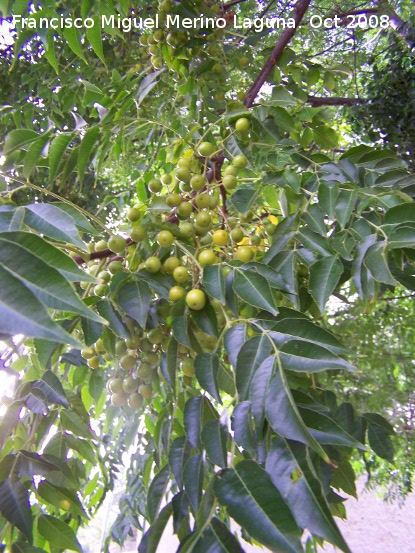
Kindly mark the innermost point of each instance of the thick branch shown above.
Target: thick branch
(317, 101)
(284, 39)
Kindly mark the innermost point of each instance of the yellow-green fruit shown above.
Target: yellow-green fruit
(170, 264)
(146, 345)
(127, 362)
(207, 257)
(151, 358)
(165, 238)
(130, 385)
(242, 124)
(155, 185)
(197, 182)
(153, 264)
(244, 253)
(155, 335)
(99, 346)
(166, 178)
(100, 245)
(146, 390)
(173, 200)
(244, 61)
(119, 399)
(188, 367)
(202, 200)
(184, 210)
(206, 149)
(144, 371)
(115, 267)
(137, 233)
(176, 293)
(196, 299)
(135, 400)
(120, 347)
(116, 244)
(183, 174)
(237, 234)
(88, 353)
(133, 342)
(220, 237)
(93, 363)
(231, 170)
(101, 290)
(187, 230)
(180, 274)
(229, 182)
(240, 161)
(115, 385)
(133, 214)
(203, 219)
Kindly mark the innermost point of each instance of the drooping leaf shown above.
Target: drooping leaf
(156, 492)
(15, 507)
(214, 282)
(214, 437)
(254, 289)
(51, 387)
(250, 357)
(206, 370)
(217, 538)
(151, 539)
(178, 456)
(58, 533)
(379, 432)
(242, 425)
(253, 501)
(193, 420)
(193, 474)
(324, 277)
(134, 298)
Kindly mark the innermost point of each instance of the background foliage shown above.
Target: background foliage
(143, 166)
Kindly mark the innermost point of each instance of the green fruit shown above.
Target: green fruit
(151, 358)
(99, 346)
(187, 230)
(180, 274)
(173, 200)
(88, 353)
(202, 200)
(101, 245)
(244, 61)
(137, 233)
(244, 253)
(93, 363)
(115, 385)
(115, 267)
(229, 182)
(133, 342)
(231, 170)
(203, 219)
(213, 202)
(240, 161)
(153, 264)
(220, 237)
(184, 162)
(127, 362)
(118, 399)
(196, 299)
(146, 345)
(155, 335)
(206, 240)
(120, 348)
(183, 174)
(166, 178)
(144, 371)
(101, 290)
(135, 400)
(165, 238)
(197, 182)
(242, 124)
(206, 149)
(146, 390)
(129, 385)
(155, 185)
(255, 240)
(170, 264)
(187, 366)
(116, 244)
(105, 276)
(184, 210)
(133, 214)
(176, 293)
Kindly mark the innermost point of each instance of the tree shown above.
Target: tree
(171, 231)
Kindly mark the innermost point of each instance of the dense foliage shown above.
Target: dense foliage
(178, 206)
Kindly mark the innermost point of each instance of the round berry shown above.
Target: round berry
(196, 299)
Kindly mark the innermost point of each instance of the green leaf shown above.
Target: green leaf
(73, 422)
(258, 393)
(313, 241)
(51, 221)
(206, 369)
(379, 431)
(242, 425)
(376, 260)
(22, 313)
(402, 213)
(214, 437)
(284, 416)
(81, 222)
(58, 496)
(345, 205)
(134, 298)
(234, 339)
(344, 477)
(192, 419)
(157, 491)
(150, 541)
(48, 284)
(326, 137)
(305, 329)
(217, 538)
(255, 290)
(73, 38)
(18, 138)
(293, 475)
(85, 149)
(170, 361)
(252, 500)
(49, 254)
(250, 357)
(57, 150)
(326, 431)
(116, 324)
(58, 533)
(214, 282)
(178, 456)
(327, 197)
(324, 277)
(302, 356)
(94, 36)
(242, 199)
(283, 119)
(52, 389)
(15, 507)
(359, 272)
(34, 152)
(24, 547)
(193, 474)
(31, 464)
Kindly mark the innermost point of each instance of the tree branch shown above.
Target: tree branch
(284, 39)
(317, 101)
